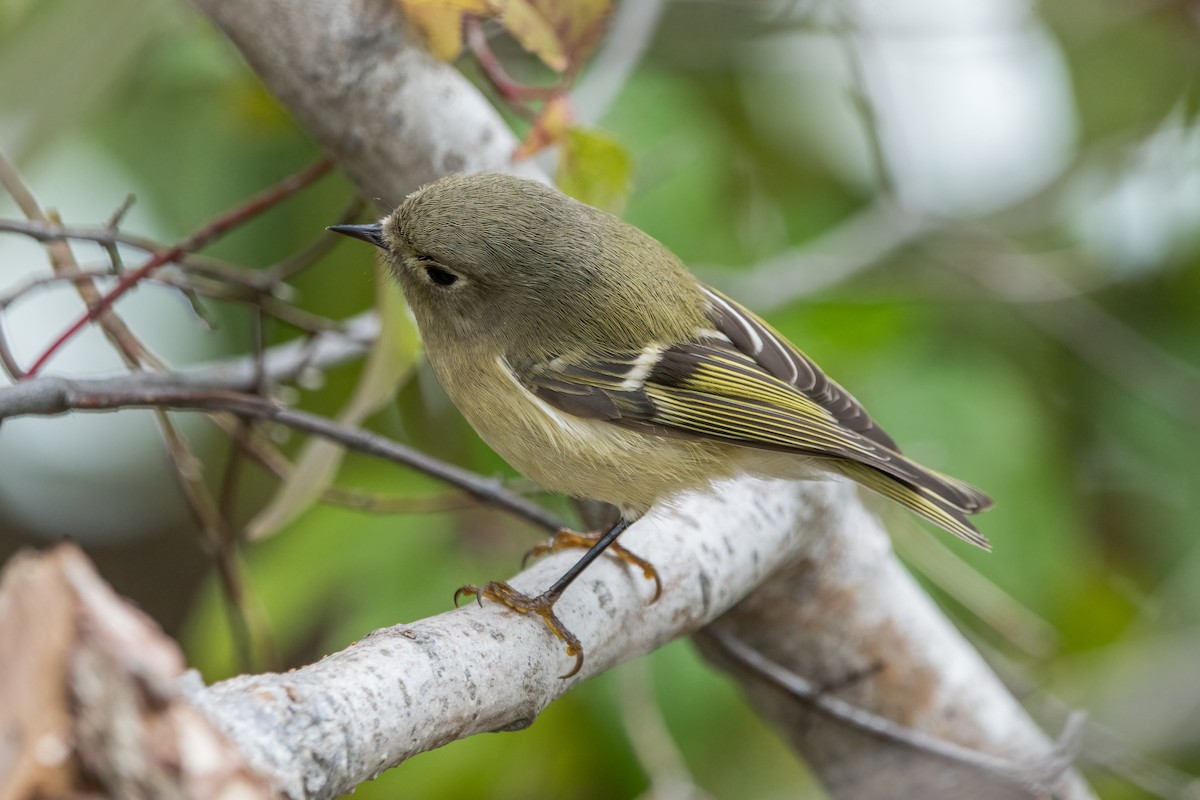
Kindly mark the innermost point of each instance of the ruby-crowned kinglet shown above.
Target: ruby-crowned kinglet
(585, 354)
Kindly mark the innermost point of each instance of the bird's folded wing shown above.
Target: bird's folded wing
(741, 383)
(752, 336)
(700, 389)
(707, 389)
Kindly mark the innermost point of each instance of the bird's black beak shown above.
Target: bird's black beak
(368, 233)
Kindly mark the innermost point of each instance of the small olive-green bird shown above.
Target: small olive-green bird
(585, 353)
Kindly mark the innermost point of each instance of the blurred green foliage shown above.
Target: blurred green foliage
(1083, 425)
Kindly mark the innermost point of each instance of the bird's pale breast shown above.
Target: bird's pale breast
(581, 457)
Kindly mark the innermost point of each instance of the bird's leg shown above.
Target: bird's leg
(543, 604)
(565, 539)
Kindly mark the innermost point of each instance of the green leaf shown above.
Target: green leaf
(390, 362)
(595, 169)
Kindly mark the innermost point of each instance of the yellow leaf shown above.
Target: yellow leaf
(440, 27)
(595, 169)
(578, 23)
(390, 362)
(526, 23)
(549, 128)
(467, 6)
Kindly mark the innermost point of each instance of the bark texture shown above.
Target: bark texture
(393, 116)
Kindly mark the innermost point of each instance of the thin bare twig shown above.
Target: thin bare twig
(262, 452)
(859, 243)
(631, 29)
(1034, 777)
(114, 219)
(217, 534)
(372, 503)
(54, 395)
(211, 231)
(187, 469)
(191, 287)
(206, 266)
(510, 88)
(12, 182)
(321, 246)
(1102, 746)
(651, 739)
(1097, 337)
(62, 262)
(976, 592)
(852, 37)
(253, 629)
(7, 357)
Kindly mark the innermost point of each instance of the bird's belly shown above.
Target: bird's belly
(601, 461)
(584, 457)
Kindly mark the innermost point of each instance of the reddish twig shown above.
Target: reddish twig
(215, 229)
(134, 354)
(297, 263)
(271, 305)
(518, 94)
(62, 262)
(108, 238)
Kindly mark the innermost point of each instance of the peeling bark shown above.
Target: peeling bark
(90, 701)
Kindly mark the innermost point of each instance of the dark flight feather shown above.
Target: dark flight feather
(744, 384)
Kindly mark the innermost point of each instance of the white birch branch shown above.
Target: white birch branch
(322, 729)
(842, 605)
(848, 618)
(392, 116)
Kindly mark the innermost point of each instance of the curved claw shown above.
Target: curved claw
(535, 551)
(561, 540)
(650, 573)
(542, 605)
(578, 653)
(648, 570)
(566, 538)
(467, 591)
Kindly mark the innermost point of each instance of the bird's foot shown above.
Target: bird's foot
(566, 539)
(542, 605)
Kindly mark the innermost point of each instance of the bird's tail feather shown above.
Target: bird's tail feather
(942, 500)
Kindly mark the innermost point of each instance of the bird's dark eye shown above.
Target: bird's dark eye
(440, 276)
